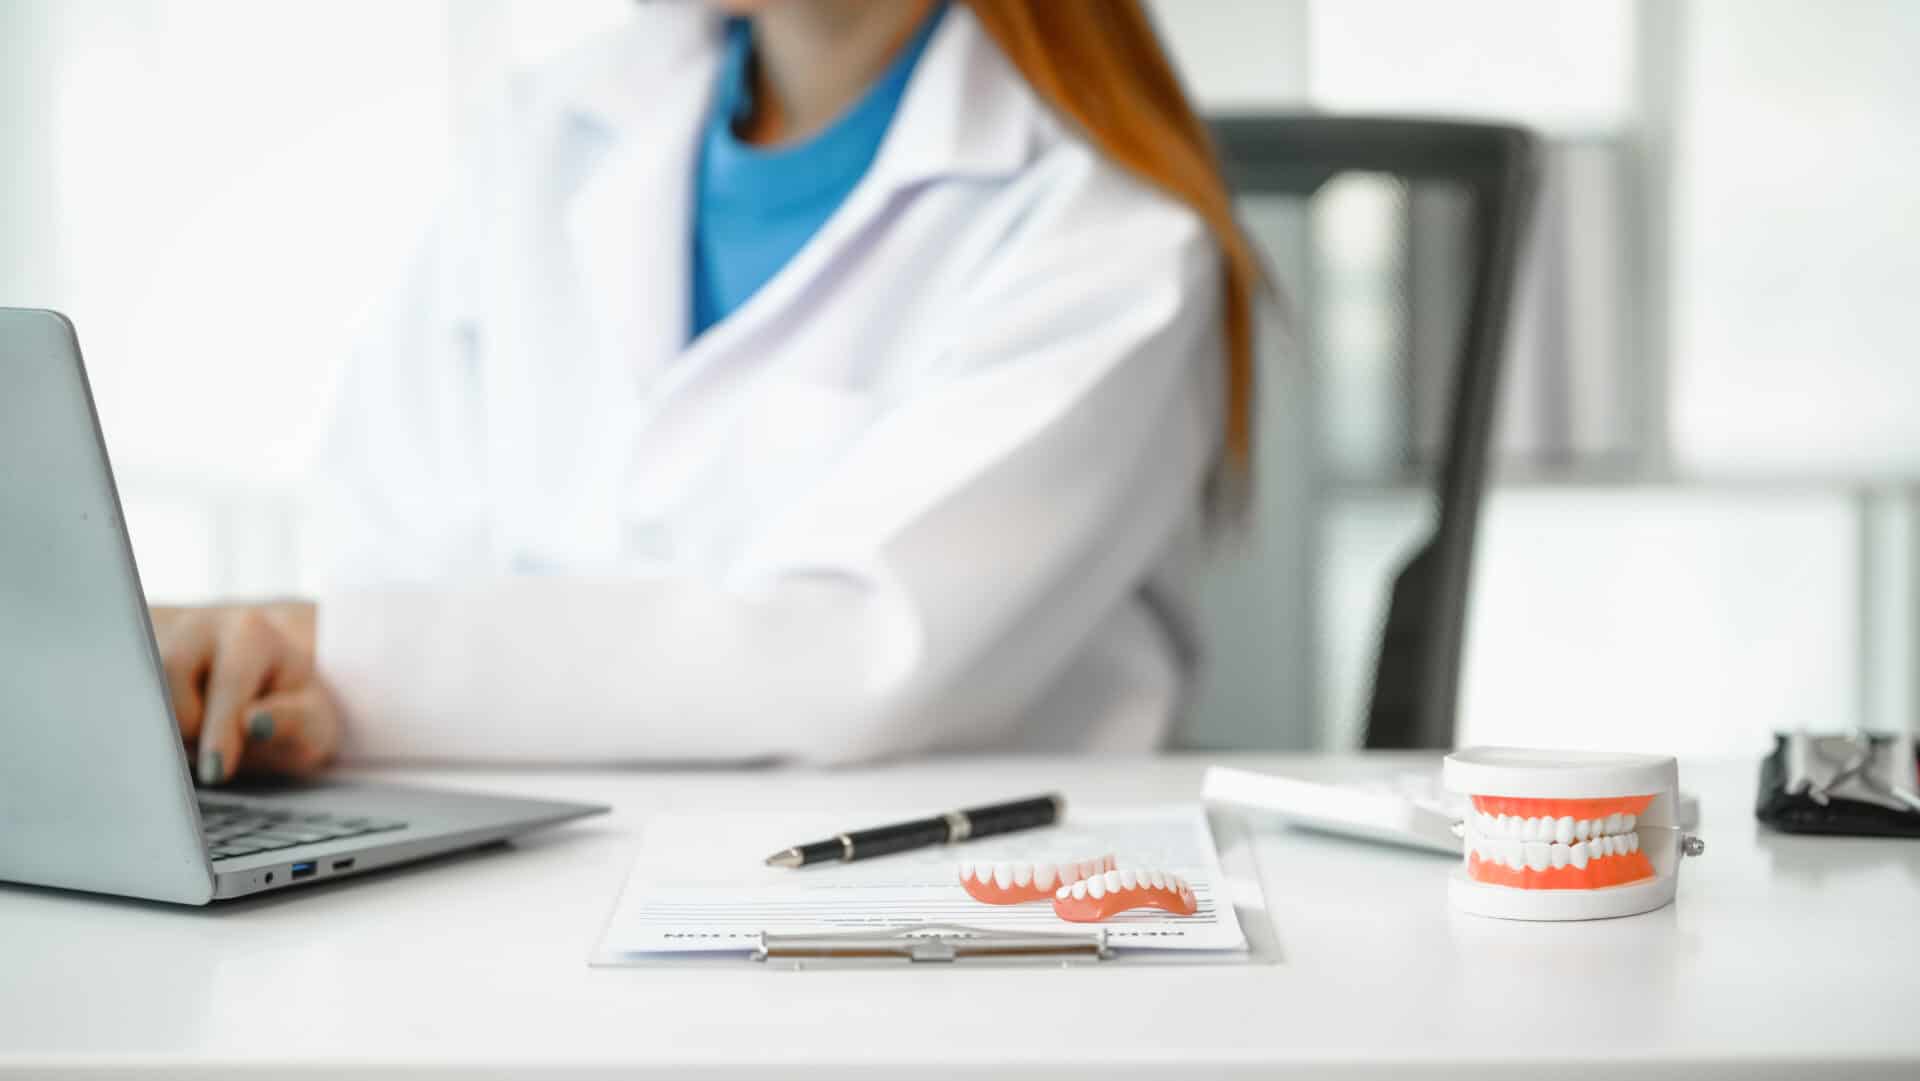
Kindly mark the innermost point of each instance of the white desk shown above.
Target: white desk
(1784, 957)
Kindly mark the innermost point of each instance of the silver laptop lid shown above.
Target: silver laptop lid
(94, 789)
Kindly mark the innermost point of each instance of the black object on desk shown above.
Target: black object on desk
(1855, 785)
(950, 828)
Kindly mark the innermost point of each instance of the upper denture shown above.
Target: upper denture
(1014, 883)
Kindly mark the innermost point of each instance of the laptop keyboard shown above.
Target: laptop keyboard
(240, 829)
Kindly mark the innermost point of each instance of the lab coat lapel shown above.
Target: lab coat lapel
(966, 112)
(629, 228)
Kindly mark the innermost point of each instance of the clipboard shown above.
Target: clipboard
(962, 942)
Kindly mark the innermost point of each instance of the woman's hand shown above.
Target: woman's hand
(244, 689)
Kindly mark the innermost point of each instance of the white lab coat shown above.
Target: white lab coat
(932, 487)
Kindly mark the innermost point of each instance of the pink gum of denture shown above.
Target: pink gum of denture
(1104, 896)
(1014, 883)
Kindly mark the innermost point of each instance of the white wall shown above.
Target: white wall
(1797, 247)
(28, 258)
(1657, 617)
(1238, 53)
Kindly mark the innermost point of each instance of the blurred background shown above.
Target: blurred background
(1704, 522)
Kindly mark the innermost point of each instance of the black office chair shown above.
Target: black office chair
(1417, 668)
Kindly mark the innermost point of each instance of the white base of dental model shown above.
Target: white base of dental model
(1510, 856)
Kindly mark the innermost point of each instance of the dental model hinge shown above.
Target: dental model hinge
(935, 943)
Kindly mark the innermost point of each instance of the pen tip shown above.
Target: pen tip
(786, 857)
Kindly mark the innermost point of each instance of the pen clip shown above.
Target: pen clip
(935, 943)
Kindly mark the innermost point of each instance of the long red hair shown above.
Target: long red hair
(1099, 63)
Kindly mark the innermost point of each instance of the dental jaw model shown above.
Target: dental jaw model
(1566, 835)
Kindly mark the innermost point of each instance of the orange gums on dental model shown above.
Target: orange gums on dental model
(1556, 844)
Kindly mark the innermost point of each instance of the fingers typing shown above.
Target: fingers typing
(247, 649)
(292, 731)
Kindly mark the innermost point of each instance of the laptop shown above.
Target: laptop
(95, 792)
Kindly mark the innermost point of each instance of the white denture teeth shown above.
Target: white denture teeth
(1563, 830)
(1096, 887)
(1011, 883)
(1080, 889)
(1579, 854)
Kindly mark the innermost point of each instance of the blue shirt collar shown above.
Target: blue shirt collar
(826, 159)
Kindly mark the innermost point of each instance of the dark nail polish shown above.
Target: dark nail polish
(260, 727)
(210, 767)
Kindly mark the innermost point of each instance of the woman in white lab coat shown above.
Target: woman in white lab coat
(644, 463)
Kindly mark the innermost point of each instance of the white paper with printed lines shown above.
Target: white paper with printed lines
(698, 884)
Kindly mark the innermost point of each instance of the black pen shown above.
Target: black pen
(950, 828)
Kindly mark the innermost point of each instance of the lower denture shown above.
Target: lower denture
(1105, 896)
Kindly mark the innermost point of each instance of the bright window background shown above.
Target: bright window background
(215, 190)
(1798, 239)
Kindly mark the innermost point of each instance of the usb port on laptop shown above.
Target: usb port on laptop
(304, 870)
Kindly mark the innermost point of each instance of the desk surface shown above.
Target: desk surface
(1783, 953)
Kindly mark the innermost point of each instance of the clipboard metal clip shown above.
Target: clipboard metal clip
(936, 943)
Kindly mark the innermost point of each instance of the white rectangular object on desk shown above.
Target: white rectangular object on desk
(1381, 812)
(699, 887)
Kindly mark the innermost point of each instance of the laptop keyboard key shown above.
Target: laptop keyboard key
(269, 842)
(239, 829)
